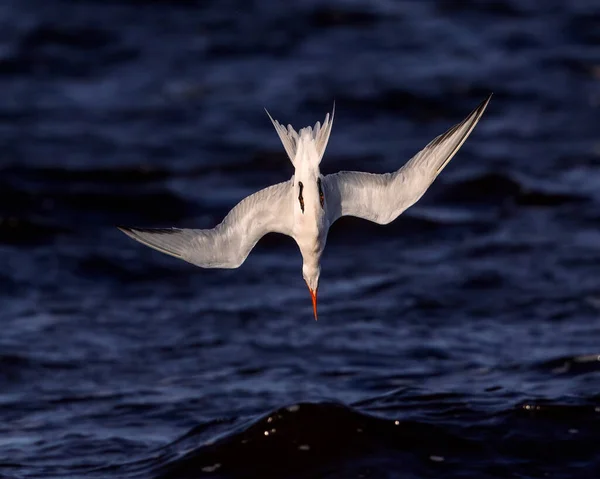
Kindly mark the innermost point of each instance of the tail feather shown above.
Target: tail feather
(290, 137)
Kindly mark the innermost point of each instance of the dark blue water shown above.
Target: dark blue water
(463, 340)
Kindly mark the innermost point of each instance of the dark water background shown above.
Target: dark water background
(463, 340)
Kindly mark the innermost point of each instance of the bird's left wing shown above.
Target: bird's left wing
(228, 244)
(382, 198)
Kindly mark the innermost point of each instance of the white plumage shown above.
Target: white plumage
(306, 206)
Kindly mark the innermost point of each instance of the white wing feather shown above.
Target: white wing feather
(228, 244)
(382, 198)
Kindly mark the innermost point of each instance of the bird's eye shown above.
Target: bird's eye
(321, 196)
(300, 199)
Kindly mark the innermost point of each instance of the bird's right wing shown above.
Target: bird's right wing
(228, 244)
(382, 198)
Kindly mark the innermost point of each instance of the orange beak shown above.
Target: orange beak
(313, 295)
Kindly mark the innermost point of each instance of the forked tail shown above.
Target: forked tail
(291, 138)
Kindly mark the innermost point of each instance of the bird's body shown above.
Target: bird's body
(306, 206)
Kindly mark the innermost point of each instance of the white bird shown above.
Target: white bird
(306, 206)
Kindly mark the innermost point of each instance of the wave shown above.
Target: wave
(330, 439)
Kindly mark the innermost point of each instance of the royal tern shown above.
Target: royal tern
(306, 206)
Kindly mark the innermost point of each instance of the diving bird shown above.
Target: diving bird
(305, 206)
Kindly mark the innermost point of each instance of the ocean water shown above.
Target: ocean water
(462, 340)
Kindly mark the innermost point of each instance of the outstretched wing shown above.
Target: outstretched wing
(382, 198)
(228, 244)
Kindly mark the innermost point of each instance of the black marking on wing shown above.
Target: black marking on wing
(300, 198)
(321, 195)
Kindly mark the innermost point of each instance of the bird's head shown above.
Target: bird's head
(311, 276)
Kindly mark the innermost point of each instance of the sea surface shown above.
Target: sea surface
(460, 341)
